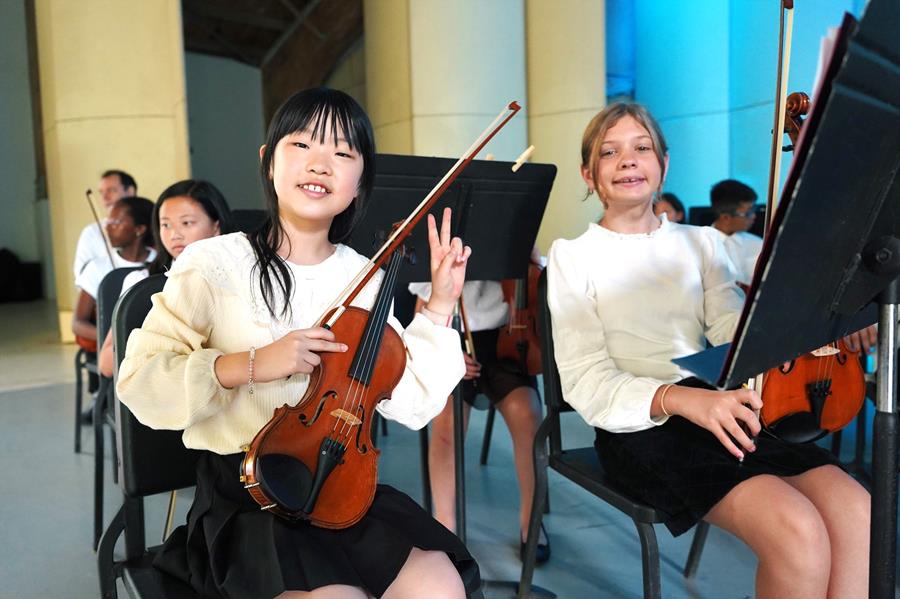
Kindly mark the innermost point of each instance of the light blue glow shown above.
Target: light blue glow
(706, 69)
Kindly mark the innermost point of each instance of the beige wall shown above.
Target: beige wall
(566, 87)
(388, 76)
(113, 96)
(350, 73)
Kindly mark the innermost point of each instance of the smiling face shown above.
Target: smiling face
(182, 221)
(316, 177)
(626, 170)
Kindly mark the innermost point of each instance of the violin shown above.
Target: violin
(518, 340)
(316, 461)
(822, 391)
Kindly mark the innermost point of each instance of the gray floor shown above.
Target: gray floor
(47, 496)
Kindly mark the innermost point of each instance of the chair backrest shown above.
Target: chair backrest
(150, 461)
(107, 296)
(553, 394)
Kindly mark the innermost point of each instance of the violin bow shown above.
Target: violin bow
(402, 232)
(106, 245)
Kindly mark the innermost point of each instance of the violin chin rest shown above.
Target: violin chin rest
(284, 479)
(801, 427)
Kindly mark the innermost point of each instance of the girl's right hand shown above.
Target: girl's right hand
(473, 368)
(720, 412)
(298, 351)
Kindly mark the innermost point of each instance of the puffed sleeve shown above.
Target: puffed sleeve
(434, 365)
(592, 384)
(168, 378)
(722, 298)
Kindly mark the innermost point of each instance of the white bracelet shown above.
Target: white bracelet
(250, 381)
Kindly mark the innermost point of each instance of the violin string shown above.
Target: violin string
(383, 311)
(352, 389)
(357, 392)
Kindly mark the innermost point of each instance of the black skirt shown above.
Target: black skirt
(498, 377)
(683, 470)
(229, 548)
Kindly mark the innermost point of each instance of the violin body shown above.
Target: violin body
(518, 340)
(330, 428)
(813, 395)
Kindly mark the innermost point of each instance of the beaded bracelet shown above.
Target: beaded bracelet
(662, 400)
(250, 381)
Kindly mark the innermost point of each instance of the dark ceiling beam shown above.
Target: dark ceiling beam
(299, 18)
(232, 49)
(303, 61)
(231, 15)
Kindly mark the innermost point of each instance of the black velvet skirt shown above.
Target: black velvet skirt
(683, 470)
(498, 376)
(229, 548)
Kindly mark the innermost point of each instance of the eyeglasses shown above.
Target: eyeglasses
(114, 222)
(745, 214)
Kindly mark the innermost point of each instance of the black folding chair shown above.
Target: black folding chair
(582, 466)
(151, 462)
(85, 363)
(107, 295)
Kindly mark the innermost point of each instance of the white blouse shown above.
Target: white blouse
(623, 306)
(211, 305)
(485, 305)
(743, 248)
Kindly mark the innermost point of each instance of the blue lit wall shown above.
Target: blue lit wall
(706, 69)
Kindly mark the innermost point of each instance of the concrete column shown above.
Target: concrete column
(438, 72)
(113, 96)
(566, 87)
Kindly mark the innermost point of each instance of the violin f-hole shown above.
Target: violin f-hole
(318, 411)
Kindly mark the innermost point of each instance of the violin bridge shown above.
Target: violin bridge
(824, 352)
(346, 417)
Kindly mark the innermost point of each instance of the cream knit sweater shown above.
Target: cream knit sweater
(211, 305)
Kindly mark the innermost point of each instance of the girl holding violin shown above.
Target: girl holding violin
(232, 337)
(629, 295)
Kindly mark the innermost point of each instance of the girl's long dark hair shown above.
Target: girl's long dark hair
(210, 199)
(321, 111)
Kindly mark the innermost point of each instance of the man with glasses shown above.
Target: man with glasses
(114, 185)
(735, 206)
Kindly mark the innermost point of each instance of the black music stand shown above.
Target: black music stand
(832, 262)
(495, 211)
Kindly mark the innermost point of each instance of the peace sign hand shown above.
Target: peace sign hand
(448, 265)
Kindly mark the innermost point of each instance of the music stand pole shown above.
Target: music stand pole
(883, 543)
(459, 450)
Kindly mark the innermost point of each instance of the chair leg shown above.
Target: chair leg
(106, 565)
(650, 560)
(541, 462)
(114, 454)
(488, 431)
(693, 560)
(79, 388)
(98, 462)
(426, 471)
